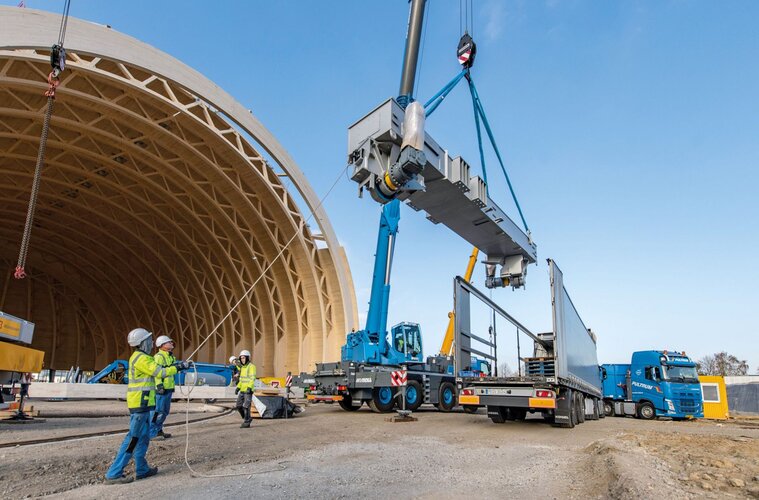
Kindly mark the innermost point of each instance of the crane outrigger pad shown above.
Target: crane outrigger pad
(450, 196)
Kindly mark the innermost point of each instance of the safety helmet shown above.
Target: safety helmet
(163, 339)
(232, 359)
(137, 335)
(245, 353)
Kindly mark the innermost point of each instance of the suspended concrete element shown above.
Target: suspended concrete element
(157, 208)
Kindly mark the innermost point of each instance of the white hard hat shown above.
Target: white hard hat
(163, 339)
(232, 359)
(245, 353)
(136, 336)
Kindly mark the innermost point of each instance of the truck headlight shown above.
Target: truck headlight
(670, 406)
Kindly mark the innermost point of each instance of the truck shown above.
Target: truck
(560, 380)
(654, 384)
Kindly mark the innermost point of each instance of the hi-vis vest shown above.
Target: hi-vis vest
(164, 359)
(247, 376)
(143, 371)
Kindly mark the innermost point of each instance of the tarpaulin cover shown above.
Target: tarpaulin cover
(274, 407)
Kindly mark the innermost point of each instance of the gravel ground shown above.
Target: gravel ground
(328, 453)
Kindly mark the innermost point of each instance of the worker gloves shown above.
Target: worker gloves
(159, 389)
(183, 365)
(237, 391)
(250, 390)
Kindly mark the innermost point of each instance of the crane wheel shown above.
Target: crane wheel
(383, 399)
(446, 397)
(414, 395)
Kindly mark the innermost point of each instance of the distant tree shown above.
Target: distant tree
(504, 370)
(723, 364)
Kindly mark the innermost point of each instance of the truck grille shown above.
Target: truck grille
(539, 367)
(687, 404)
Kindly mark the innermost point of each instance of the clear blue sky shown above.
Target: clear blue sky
(630, 130)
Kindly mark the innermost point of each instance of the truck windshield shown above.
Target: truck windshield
(685, 374)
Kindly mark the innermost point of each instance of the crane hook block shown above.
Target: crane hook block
(58, 59)
(466, 51)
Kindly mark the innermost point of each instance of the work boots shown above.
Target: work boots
(151, 472)
(246, 422)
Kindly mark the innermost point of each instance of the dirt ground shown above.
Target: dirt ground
(326, 452)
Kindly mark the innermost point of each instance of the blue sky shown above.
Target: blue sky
(630, 131)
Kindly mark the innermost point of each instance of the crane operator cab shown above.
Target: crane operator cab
(407, 341)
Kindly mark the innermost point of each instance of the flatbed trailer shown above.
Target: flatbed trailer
(561, 380)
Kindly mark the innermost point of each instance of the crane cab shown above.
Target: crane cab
(406, 343)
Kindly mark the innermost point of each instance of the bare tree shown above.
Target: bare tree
(504, 370)
(723, 364)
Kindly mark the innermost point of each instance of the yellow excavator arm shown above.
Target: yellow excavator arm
(447, 347)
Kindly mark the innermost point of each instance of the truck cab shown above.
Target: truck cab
(654, 384)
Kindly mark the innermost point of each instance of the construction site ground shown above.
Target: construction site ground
(326, 452)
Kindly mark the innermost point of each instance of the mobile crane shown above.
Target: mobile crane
(395, 164)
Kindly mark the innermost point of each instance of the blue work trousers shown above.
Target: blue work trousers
(162, 408)
(135, 444)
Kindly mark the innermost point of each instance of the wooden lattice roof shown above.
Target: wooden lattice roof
(156, 209)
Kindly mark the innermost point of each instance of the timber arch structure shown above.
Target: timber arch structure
(157, 208)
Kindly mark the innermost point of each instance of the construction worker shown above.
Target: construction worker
(244, 389)
(164, 387)
(235, 366)
(142, 373)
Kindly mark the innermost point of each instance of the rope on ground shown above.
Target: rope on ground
(214, 331)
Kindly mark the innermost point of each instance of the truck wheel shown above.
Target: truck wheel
(470, 408)
(383, 399)
(594, 415)
(497, 414)
(573, 412)
(414, 395)
(446, 397)
(646, 411)
(580, 408)
(608, 408)
(347, 403)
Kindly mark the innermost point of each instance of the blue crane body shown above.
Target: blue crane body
(368, 358)
(209, 373)
(654, 384)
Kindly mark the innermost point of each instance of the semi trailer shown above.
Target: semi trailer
(654, 384)
(560, 380)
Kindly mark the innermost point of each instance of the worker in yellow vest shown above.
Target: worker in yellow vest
(164, 387)
(245, 386)
(142, 373)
